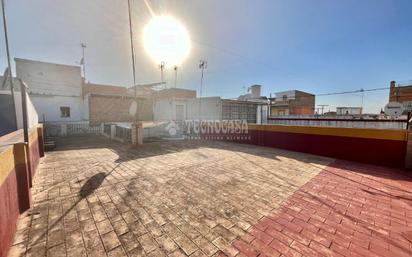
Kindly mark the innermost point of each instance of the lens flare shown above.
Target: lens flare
(166, 40)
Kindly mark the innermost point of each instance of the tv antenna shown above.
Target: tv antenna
(322, 106)
(202, 67)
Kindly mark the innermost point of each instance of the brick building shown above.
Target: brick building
(103, 89)
(400, 92)
(293, 102)
(118, 108)
(106, 103)
(116, 104)
(176, 93)
(400, 99)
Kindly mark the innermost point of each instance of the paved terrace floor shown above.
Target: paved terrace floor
(93, 197)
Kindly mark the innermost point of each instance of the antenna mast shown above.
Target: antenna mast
(202, 67)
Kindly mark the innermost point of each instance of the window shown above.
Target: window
(285, 97)
(64, 111)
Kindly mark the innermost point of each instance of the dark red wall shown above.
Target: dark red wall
(368, 150)
(15, 194)
(9, 208)
(15, 198)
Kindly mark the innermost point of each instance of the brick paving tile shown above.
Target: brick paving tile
(117, 252)
(104, 226)
(147, 243)
(136, 252)
(110, 241)
(198, 253)
(205, 246)
(76, 252)
(177, 253)
(97, 197)
(186, 244)
(166, 244)
(348, 209)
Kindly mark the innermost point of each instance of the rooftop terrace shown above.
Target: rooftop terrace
(94, 197)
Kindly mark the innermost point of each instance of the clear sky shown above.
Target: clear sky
(318, 46)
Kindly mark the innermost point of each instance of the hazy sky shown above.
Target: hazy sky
(319, 46)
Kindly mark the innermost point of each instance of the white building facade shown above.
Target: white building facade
(349, 110)
(55, 89)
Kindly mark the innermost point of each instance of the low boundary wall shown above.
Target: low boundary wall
(16, 173)
(377, 146)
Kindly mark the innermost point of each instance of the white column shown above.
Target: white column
(63, 130)
(112, 131)
(140, 132)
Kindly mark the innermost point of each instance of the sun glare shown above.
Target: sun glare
(166, 40)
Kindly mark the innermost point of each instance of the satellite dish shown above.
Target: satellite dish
(394, 109)
(133, 108)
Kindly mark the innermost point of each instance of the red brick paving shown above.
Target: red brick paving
(349, 209)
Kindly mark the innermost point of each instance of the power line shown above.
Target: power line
(354, 91)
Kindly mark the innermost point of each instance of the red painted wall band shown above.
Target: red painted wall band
(15, 194)
(9, 206)
(375, 151)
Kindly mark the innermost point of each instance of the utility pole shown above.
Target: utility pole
(132, 52)
(363, 92)
(323, 106)
(175, 68)
(8, 60)
(83, 62)
(202, 67)
(161, 67)
(131, 43)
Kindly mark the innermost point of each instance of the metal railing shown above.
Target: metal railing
(79, 128)
(341, 122)
(124, 134)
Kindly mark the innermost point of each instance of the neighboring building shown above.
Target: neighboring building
(11, 116)
(293, 102)
(400, 92)
(254, 94)
(107, 103)
(400, 99)
(116, 108)
(240, 110)
(182, 104)
(103, 89)
(59, 94)
(348, 110)
(55, 89)
(175, 93)
(329, 114)
(205, 108)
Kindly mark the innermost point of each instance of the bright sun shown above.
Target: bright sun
(166, 40)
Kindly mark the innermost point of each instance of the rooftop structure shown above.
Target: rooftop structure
(292, 102)
(349, 111)
(400, 92)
